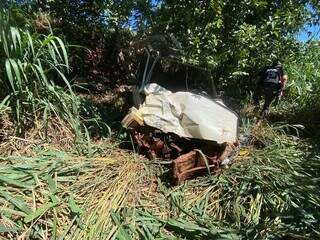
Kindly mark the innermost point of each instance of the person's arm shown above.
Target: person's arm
(283, 77)
(284, 80)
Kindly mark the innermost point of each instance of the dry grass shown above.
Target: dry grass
(55, 194)
(53, 133)
(269, 192)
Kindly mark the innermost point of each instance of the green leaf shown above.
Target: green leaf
(52, 184)
(6, 229)
(30, 43)
(10, 75)
(17, 202)
(8, 181)
(16, 38)
(39, 212)
(73, 206)
(16, 72)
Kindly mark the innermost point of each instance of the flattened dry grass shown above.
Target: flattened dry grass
(55, 195)
(270, 192)
(270, 195)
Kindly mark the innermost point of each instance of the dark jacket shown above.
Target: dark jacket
(271, 75)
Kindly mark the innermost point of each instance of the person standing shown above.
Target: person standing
(270, 86)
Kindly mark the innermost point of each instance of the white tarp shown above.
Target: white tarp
(188, 115)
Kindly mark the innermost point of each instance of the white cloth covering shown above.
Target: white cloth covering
(188, 115)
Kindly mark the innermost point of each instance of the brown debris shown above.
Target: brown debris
(191, 165)
(192, 158)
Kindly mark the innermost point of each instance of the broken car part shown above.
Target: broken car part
(198, 133)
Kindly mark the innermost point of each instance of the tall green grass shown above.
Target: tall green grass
(29, 63)
(304, 82)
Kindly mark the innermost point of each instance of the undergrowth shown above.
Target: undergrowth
(270, 192)
(55, 195)
(86, 190)
(302, 94)
(36, 99)
(29, 64)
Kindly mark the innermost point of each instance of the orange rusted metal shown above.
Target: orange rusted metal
(189, 156)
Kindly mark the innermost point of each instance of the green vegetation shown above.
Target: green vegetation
(29, 63)
(47, 195)
(273, 193)
(61, 65)
(305, 85)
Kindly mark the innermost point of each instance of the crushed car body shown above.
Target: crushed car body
(177, 116)
(196, 132)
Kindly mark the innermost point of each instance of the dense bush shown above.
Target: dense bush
(230, 38)
(233, 39)
(28, 67)
(304, 84)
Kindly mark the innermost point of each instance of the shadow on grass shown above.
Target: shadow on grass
(105, 112)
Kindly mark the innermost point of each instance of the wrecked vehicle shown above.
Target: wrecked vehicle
(191, 128)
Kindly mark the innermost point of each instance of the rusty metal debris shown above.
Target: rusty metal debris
(175, 119)
(190, 157)
(179, 126)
